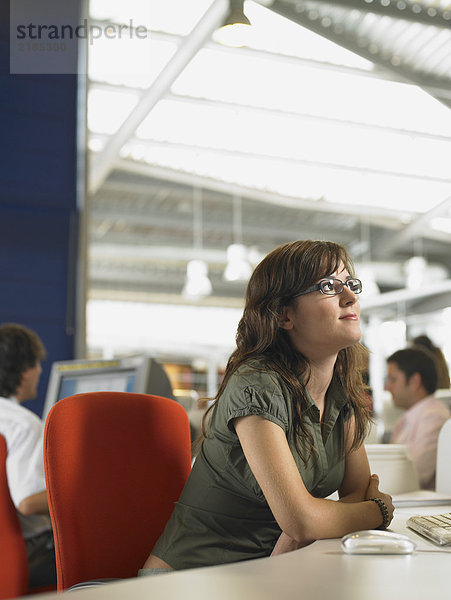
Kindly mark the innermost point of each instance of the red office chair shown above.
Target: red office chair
(13, 554)
(115, 463)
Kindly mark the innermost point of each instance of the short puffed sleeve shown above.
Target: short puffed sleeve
(258, 394)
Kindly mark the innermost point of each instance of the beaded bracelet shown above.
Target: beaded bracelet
(384, 512)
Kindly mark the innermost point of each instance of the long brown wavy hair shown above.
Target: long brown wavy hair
(280, 276)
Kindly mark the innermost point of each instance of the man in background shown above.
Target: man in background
(412, 381)
(21, 352)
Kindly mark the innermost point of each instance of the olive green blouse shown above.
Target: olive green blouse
(222, 515)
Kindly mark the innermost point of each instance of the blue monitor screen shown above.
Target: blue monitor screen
(96, 382)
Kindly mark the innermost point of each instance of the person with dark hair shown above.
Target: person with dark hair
(21, 352)
(288, 423)
(412, 381)
(423, 341)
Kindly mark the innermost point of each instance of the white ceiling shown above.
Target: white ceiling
(314, 139)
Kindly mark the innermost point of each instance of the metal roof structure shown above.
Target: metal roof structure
(333, 123)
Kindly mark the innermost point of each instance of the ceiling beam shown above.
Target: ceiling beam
(105, 160)
(116, 276)
(414, 230)
(97, 291)
(306, 116)
(165, 254)
(340, 166)
(398, 297)
(269, 111)
(380, 216)
(109, 212)
(439, 86)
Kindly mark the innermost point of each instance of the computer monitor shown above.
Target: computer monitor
(141, 374)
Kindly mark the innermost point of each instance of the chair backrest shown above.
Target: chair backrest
(443, 472)
(13, 554)
(115, 463)
(395, 468)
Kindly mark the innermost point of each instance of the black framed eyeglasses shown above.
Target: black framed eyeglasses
(333, 286)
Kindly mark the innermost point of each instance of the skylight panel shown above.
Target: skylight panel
(319, 133)
(286, 86)
(130, 62)
(296, 139)
(274, 33)
(108, 110)
(173, 16)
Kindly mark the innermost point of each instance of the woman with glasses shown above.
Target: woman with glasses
(287, 426)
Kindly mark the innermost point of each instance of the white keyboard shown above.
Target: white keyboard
(436, 528)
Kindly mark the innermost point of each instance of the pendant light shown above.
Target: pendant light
(236, 28)
(238, 267)
(197, 283)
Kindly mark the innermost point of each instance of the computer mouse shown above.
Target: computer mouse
(376, 541)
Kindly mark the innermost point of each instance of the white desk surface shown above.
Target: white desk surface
(318, 572)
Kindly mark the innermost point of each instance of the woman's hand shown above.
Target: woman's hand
(287, 544)
(373, 492)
